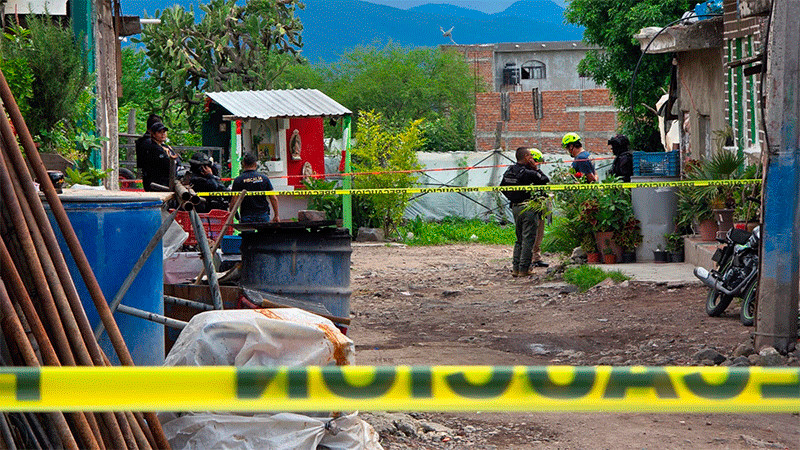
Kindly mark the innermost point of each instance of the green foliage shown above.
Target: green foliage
(611, 25)
(403, 85)
(85, 174)
(382, 147)
(452, 230)
(586, 276)
(15, 67)
(674, 242)
(695, 203)
(232, 47)
(560, 237)
(59, 75)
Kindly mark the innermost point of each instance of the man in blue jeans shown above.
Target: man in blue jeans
(255, 208)
(526, 219)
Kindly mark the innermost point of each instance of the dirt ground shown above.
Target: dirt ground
(458, 304)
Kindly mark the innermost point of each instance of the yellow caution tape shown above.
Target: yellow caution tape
(547, 187)
(402, 388)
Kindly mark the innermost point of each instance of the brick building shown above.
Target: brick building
(534, 96)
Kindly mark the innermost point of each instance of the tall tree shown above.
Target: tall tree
(611, 25)
(233, 47)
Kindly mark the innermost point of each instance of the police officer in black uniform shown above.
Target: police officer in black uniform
(153, 156)
(526, 219)
(255, 208)
(203, 179)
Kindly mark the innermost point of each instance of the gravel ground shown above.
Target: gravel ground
(458, 304)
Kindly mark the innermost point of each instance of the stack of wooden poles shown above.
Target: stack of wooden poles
(43, 321)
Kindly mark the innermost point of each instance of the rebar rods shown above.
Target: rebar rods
(49, 305)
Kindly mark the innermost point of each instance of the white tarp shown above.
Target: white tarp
(483, 205)
(264, 337)
(264, 431)
(260, 337)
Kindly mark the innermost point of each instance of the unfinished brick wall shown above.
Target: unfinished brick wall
(590, 113)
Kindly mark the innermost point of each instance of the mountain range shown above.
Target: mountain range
(332, 27)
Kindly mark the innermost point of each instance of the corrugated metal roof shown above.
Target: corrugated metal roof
(278, 104)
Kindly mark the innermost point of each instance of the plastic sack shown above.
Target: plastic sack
(173, 238)
(264, 431)
(260, 337)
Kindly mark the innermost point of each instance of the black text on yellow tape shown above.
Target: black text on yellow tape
(548, 187)
(402, 388)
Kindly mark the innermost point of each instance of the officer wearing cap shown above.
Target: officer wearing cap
(153, 156)
(203, 179)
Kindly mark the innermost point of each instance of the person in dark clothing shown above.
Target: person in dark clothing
(525, 172)
(202, 179)
(623, 161)
(255, 208)
(153, 156)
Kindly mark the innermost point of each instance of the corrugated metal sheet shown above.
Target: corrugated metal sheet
(278, 104)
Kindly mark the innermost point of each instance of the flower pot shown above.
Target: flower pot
(751, 226)
(676, 257)
(707, 230)
(593, 258)
(601, 237)
(609, 258)
(660, 256)
(628, 257)
(724, 219)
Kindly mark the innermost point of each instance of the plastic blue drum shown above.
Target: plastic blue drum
(113, 234)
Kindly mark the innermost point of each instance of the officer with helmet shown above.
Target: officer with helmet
(582, 159)
(525, 172)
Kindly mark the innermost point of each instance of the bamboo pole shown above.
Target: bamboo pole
(72, 242)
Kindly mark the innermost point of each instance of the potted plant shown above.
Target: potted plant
(700, 203)
(628, 238)
(590, 247)
(608, 254)
(660, 255)
(674, 246)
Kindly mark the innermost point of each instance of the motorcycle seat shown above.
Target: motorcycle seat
(738, 236)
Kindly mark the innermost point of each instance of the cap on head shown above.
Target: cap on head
(158, 126)
(570, 138)
(537, 155)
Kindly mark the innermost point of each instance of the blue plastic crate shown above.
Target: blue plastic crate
(656, 164)
(231, 245)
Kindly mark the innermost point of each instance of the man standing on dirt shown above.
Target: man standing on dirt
(582, 159)
(525, 172)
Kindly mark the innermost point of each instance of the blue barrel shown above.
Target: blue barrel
(113, 234)
(311, 264)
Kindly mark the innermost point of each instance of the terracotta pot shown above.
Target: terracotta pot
(707, 230)
(751, 226)
(609, 258)
(593, 258)
(601, 237)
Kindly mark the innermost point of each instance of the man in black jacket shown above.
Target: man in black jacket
(525, 172)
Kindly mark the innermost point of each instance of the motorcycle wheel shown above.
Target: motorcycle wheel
(748, 313)
(716, 302)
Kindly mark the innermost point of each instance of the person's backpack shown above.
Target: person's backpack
(511, 178)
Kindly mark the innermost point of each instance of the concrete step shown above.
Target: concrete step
(698, 252)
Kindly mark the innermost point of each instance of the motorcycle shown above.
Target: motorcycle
(735, 275)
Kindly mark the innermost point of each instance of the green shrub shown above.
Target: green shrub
(587, 276)
(454, 230)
